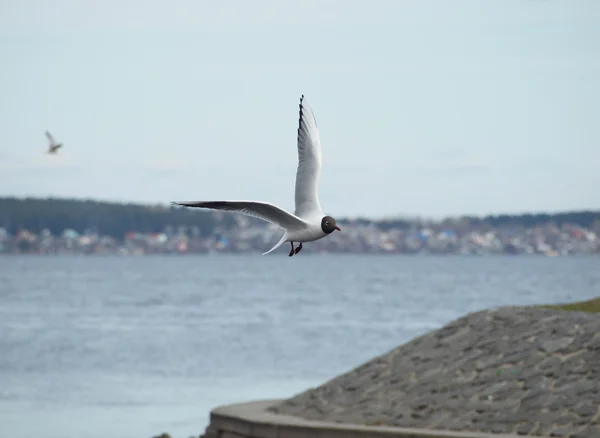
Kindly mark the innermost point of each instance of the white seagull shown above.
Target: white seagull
(53, 146)
(308, 223)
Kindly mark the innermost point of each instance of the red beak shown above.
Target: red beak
(338, 228)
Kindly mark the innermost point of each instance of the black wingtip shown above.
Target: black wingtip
(300, 115)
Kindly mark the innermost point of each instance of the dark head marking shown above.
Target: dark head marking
(328, 225)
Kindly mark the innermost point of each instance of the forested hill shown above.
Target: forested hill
(106, 218)
(115, 219)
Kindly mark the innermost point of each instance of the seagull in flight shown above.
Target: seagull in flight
(53, 146)
(308, 223)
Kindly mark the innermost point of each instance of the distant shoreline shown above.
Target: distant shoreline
(62, 225)
(308, 254)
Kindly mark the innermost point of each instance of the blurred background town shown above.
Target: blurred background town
(59, 226)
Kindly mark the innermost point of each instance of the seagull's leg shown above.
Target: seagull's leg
(292, 251)
(298, 249)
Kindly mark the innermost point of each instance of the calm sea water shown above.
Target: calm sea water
(131, 347)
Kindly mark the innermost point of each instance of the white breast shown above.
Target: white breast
(309, 234)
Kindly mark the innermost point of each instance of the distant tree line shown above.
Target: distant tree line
(105, 218)
(584, 218)
(587, 218)
(115, 219)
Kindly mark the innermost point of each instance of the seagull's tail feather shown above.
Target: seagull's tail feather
(277, 245)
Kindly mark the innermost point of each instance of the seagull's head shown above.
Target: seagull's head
(328, 225)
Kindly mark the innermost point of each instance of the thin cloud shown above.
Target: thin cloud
(165, 164)
(466, 164)
(41, 162)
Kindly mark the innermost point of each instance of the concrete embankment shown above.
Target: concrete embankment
(501, 372)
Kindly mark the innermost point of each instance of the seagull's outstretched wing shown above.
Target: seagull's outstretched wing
(50, 138)
(261, 210)
(309, 164)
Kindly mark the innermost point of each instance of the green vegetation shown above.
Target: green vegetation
(589, 306)
(586, 218)
(106, 218)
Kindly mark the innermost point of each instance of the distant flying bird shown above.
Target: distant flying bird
(53, 147)
(308, 223)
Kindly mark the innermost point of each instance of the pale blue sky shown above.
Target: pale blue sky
(424, 107)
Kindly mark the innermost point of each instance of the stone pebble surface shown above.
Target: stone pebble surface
(521, 370)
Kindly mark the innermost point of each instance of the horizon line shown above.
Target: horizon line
(399, 216)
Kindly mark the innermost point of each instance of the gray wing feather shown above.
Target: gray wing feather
(50, 138)
(309, 163)
(261, 210)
